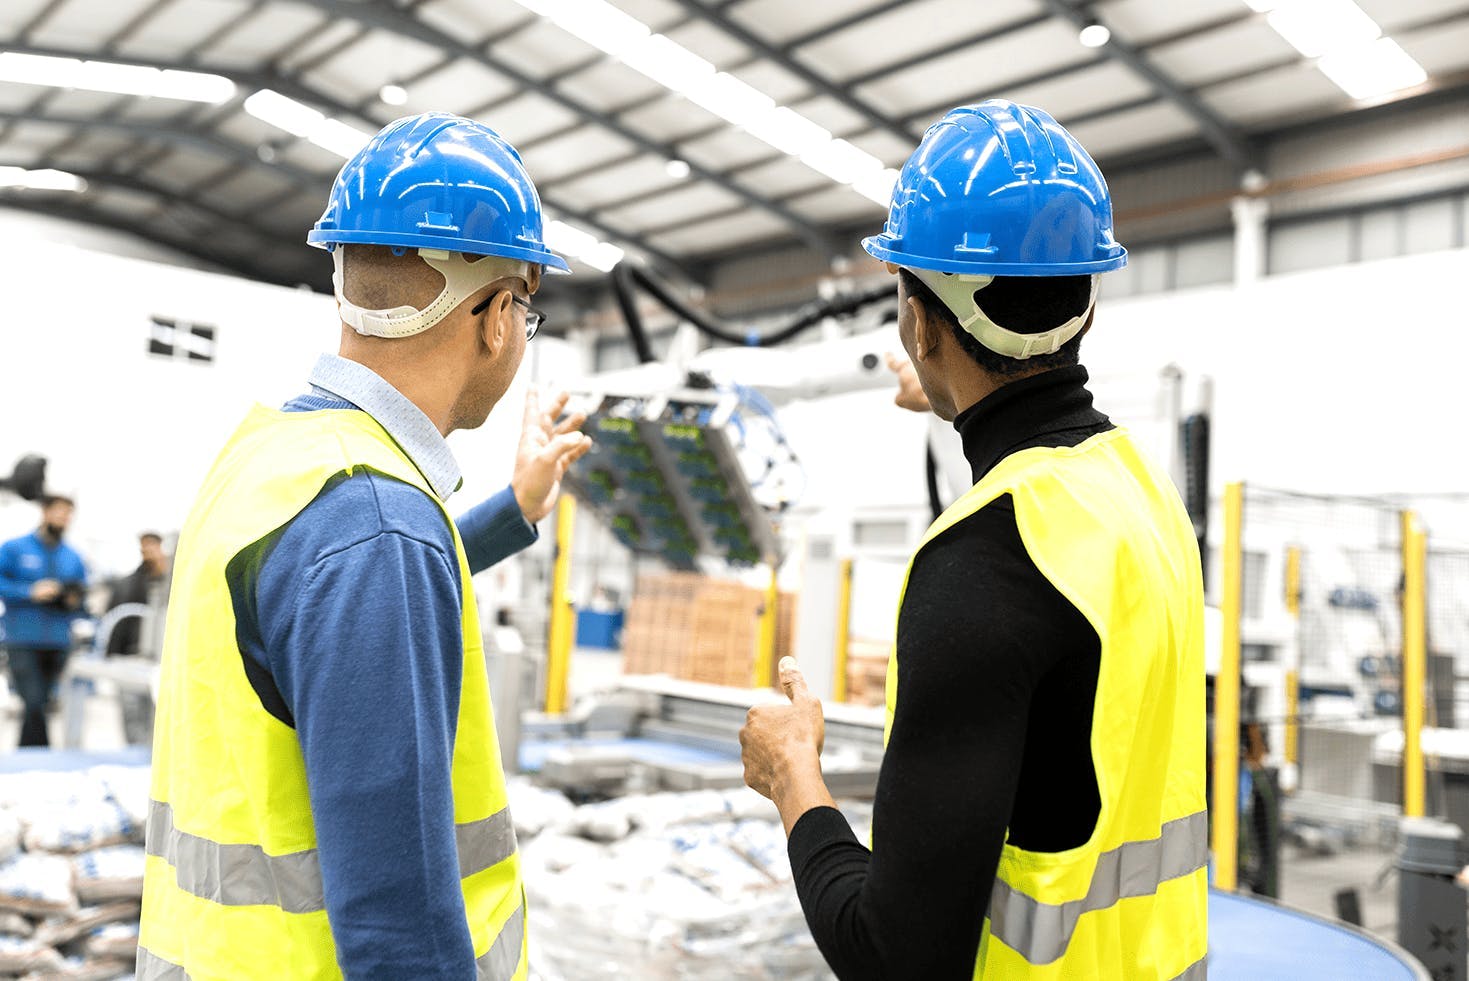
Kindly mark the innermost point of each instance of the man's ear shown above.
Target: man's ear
(495, 323)
(925, 330)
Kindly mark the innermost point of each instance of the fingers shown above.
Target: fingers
(570, 424)
(564, 446)
(895, 364)
(556, 406)
(793, 681)
(532, 405)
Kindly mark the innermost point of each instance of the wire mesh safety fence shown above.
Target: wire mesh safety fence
(1320, 614)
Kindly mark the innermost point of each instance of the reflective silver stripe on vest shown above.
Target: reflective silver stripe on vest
(1040, 932)
(498, 964)
(485, 843)
(235, 875)
(1197, 971)
(503, 957)
(246, 875)
(151, 967)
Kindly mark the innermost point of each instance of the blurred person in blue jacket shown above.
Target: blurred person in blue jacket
(42, 583)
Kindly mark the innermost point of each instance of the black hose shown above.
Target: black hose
(627, 302)
(626, 277)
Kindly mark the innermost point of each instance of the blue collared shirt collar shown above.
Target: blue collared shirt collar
(414, 433)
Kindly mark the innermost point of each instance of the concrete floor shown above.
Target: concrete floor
(1310, 882)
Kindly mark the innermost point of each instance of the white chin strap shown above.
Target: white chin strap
(462, 279)
(957, 291)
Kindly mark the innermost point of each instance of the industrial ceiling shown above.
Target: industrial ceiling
(669, 130)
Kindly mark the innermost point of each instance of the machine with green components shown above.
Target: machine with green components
(675, 475)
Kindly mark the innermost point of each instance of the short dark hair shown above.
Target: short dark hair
(1024, 304)
(49, 499)
(150, 536)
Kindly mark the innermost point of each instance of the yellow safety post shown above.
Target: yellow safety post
(1415, 660)
(844, 630)
(1226, 697)
(562, 630)
(765, 649)
(1292, 674)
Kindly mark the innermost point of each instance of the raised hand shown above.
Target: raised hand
(546, 449)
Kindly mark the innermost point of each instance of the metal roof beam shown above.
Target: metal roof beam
(78, 211)
(208, 142)
(205, 142)
(983, 37)
(1229, 142)
(825, 86)
(399, 23)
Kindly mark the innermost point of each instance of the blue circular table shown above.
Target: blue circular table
(1256, 940)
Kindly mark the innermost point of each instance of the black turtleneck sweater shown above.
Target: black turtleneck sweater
(997, 674)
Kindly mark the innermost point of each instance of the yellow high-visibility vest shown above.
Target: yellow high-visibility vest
(1108, 530)
(233, 887)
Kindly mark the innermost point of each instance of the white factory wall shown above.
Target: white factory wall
(1309, 393)
(132, 434)
(1338, 380)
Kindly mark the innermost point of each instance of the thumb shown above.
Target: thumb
(793, 681)
(893, 363)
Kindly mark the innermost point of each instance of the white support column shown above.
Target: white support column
(1250, 231)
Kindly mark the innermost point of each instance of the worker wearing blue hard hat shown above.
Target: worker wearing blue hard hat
(328, 797)
(1040, 811)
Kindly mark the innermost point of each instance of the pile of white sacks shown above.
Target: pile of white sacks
(681, 886)
(71, 872)
(675, 885)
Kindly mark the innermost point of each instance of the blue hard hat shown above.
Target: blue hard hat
(437, 181)
(999, 189)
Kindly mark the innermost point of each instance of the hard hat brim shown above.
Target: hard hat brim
(552, 262)
(875, 247)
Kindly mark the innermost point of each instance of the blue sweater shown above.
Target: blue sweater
(25, 561)
(353, 612)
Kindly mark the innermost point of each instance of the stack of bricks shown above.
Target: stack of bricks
(700, 629)
(867, 671)
(725, 635)
(659, 623)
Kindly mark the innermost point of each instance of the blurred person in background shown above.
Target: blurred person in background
(43, 582)
(148, 585)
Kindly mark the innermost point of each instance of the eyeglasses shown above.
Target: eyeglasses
(534, 319)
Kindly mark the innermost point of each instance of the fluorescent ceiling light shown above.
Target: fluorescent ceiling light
(878, 187)
(1094, 35)
(1373, 69)
(677, 169)
(676, 68)
(603, 257)
(41, 180)
(331, 135)
(271, 107)
(338, 137)
(107, 76)
(393, 95)
(841, 161)
(788, 131)
(1318, 27)
(583, 245)
(729, 98)
(668, 63)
